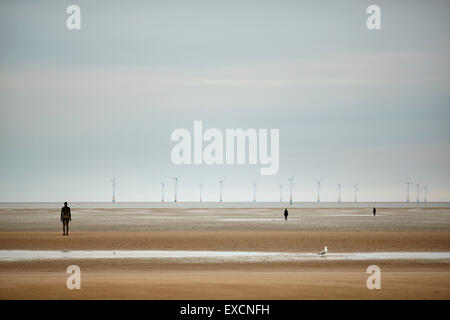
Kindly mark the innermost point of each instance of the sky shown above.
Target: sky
(353, 106)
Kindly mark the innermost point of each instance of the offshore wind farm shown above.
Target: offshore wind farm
(299, 197)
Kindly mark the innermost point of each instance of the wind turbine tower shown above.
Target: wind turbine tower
(417, 188)
(407, 191)
(220, 190)
(176, 188)
(201, 189)
(318, 191)
(356, 189)
(291, 181)
(425, 190)
(254, 192)
(162, 192)
(339, 188)
(114, 190)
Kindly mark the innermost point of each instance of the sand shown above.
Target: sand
(168, 279)
(229, 219)
(284, 241)
(138, 279)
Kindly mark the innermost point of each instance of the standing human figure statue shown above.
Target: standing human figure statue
(285, 214)
(374, 212)
(66, 217)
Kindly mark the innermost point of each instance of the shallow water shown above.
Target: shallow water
(21, 255)
(256, 219)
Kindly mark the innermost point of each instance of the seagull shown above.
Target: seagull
(323, 252)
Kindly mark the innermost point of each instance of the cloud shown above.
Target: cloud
(342, 69)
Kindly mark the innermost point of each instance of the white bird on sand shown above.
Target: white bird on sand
(323, 252)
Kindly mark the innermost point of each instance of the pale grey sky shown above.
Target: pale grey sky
(353, 106)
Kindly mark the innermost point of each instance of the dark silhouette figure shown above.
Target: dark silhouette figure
(285, 214)
(374, 212)
(65, 218)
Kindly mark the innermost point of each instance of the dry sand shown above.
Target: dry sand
(343, 231)
(140, 279)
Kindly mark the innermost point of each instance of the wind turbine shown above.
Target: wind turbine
(176, 188)
(356, 189)
(425, 190)
(417, 187)
(201, 189)
(281, 193)
(407, 191)
(162, 192)
(220, 190)
(291, 181)
(114, 189)
(318, 191)
(254, 192)
(339, 188)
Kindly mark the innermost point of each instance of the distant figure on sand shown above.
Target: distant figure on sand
(374, 212)
(285, 214)
(66, 217)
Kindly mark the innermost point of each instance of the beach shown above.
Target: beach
(346, 231)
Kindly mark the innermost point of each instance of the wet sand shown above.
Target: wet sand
(342, 230)
(229, 219)
(284, 241)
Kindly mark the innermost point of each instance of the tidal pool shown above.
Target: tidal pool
(242, 256)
